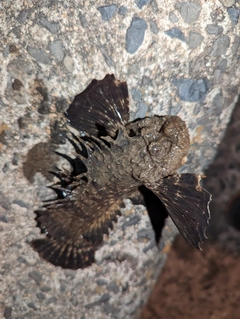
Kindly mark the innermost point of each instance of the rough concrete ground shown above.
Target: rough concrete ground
(179, 58)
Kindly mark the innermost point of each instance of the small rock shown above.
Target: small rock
(7, 313)
(32, 305)
(175, 33)
(4, 219)
(222, 65)
(172, 17)
(6, 167)
(57, 49)
(20, 68)
(40, 296)
(153, 27)
(234, 15)
(191, 90)
(220, 46)
(136, 95)
(61, 105)
(194, 39)
(236, 45)
(132, 221)
(36, 276)
(24, 15)
(53, 27)
(189, 11)
(214, 29)
(15, 159)
(217, 104)
(145, 233)
(122, 10)
(107, 58)
(107, 12)
(21, 203)
(39, 55)
(135, 34)
(113, 287)
(142, 110)
(82, 19)
(68, 63)
(141, 3)
(101, 282)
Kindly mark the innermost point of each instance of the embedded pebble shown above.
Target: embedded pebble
(142, 110)
(176, 33)
(220, 46)
(141, 3)
(189, 11)
(153, 27)
(214, 29)
(39, 55)
(135, 34)
(57, 49)
(234, 15)
(53, 27)
(191, 90)
(194, 40)
(172, 17)
(107, 12)
(122, 10)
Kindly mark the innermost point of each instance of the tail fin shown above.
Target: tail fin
(67, 254)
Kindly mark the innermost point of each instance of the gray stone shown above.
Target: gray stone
(32, 305)
(141, 3)
(101, 282)
(142, 110)
(107, 12)
(68, 63)
(107, 58)
(57, 49)
(53, 27)
(7, 313)
(145, 233)
(36, 276)
(4, 219)
(220, 46)
(191, 90)
(175, 33)
(236, 45)
(194, 39)
(214, 29)
(222, 65)
(189, 11)
(153, 27)
(172, 17)
(135, 34)
(234, 15)
(24, 15)
(105, 297)
(4, 202)
(122, 10)
(20, 203)
(136, 95)
(5, 167)
(19, 68)
(132, 221)
(39, 55)
(113, 287)
(40, 296)
(82, 19)
(217, 104)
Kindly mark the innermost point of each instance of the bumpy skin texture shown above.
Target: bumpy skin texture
(115, 159)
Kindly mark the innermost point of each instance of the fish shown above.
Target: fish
(115, 159)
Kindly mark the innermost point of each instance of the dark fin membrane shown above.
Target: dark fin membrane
(101, 108)
(187, 204)
(65, 254)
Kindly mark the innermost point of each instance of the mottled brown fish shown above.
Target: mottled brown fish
(114, 160)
